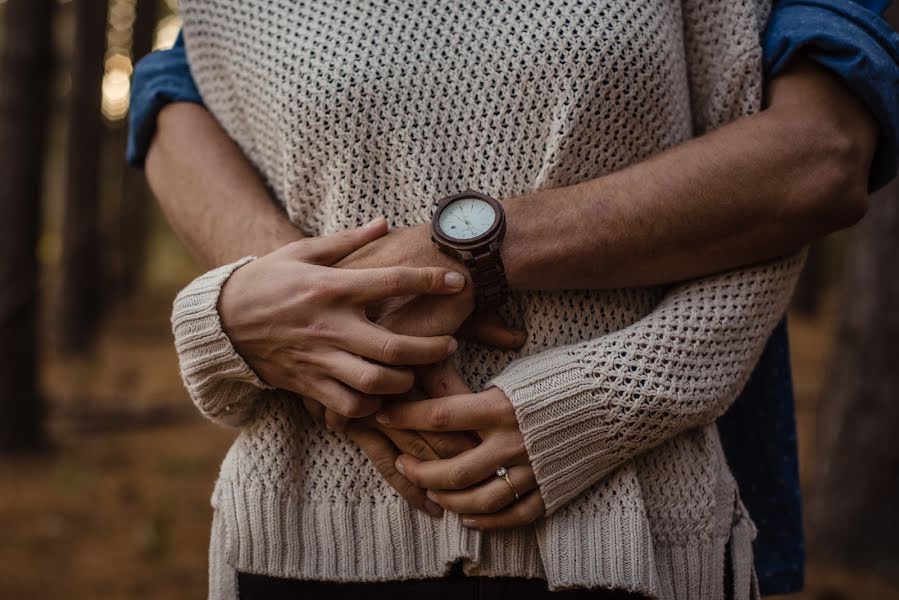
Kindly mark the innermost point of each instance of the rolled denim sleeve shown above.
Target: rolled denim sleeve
(852, 40)
(159, 79)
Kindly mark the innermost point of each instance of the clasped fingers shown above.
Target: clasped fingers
(466, 469)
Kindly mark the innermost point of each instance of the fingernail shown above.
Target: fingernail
(400, 467)
(374, 222)
(382, 418)
(454, 280)
(431, 495)
(469, 522)
(433, 509)
(453, 346)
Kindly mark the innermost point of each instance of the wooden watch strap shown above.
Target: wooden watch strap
(489, 276)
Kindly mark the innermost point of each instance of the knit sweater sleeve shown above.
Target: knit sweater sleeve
(585, 409)
(219, 381)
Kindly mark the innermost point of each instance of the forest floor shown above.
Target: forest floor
(119, 507)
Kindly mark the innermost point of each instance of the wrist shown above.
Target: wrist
(470, 227)
(222, 385)
(232, 307)
(558, 238)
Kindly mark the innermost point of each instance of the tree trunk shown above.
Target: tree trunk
(25, 70)
(853, 509)
(133, 214)
(80, 299)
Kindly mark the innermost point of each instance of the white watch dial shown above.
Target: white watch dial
(467, 218)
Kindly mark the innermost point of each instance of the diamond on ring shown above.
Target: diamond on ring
(501, 472)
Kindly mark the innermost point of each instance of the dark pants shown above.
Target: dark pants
(455, 586)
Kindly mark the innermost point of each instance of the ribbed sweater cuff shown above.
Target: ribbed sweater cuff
(219, 381)
(550, 391)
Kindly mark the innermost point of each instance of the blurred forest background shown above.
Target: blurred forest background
(106, 469)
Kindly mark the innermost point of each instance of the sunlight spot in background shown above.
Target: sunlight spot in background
(166, 32)
(119, 65)
(116, 86)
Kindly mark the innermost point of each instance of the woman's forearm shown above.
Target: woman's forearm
(757, 188)
(209, 191)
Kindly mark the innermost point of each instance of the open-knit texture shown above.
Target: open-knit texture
(352, 110)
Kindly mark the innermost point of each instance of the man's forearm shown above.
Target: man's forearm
(757, 188)
(210, 193)
(754, 189)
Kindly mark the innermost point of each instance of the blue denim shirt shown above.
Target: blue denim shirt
(759, 431)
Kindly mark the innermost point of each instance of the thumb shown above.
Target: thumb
(490, 330)
(328, 249)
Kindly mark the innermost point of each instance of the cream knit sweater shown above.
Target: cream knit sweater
(357, 109)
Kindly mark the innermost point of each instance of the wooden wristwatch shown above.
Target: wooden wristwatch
(470, 227)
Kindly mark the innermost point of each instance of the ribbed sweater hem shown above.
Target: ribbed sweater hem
(219, 381)
(276, 532)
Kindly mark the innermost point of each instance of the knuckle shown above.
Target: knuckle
(319, 289)
(503, 408)
(417, 447)
(434, 279)
(511, 450)
(299, 249)
(520, 447)
(522, 514)
(390, 281)
(370, 380)
(390, 350)
(460, 477)
(317, 329)
(440, 417)
(444, 446)
(383, 462)
(349, 407)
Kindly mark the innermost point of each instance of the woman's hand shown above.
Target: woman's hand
(429, 315)
(383, 446)
(468, 484)
(301, 324)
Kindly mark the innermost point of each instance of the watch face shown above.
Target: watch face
(466, 218)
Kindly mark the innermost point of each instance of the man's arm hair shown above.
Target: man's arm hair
(757, 188)
(210, 193)
(760, 187)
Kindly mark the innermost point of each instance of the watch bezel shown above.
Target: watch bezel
(475, 242)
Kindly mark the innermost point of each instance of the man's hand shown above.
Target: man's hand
(301, 325)
(429, 315)
(412, 247)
